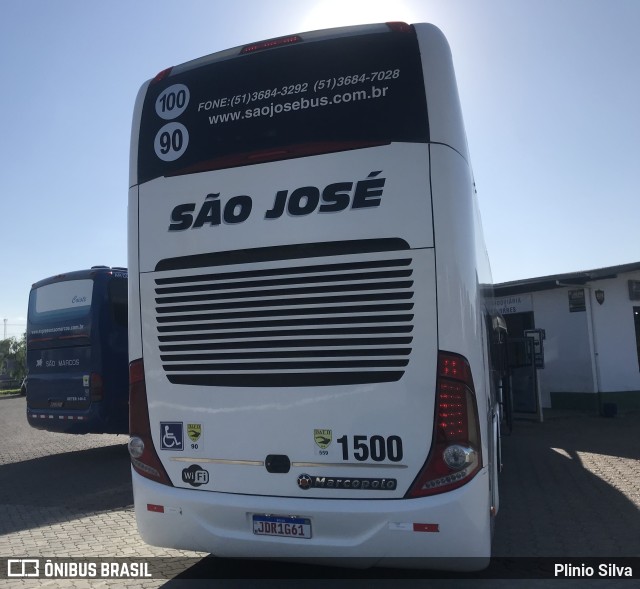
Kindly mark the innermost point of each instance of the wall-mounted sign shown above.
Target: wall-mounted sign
(576, 301)
(514, 304)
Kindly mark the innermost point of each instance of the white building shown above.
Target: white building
(591, 323)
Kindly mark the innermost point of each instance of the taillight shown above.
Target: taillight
(96, 387)
(144, 458)
(400, 27)
(270, 44)
(455, 456)
(161, 75)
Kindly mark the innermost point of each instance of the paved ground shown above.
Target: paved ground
(570, 488)
(67, 495)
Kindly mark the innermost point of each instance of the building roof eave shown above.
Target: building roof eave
(562, 280)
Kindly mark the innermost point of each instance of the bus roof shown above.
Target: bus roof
(318, 35)
(79, 275)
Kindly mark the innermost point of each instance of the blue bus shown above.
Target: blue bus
(77, 354)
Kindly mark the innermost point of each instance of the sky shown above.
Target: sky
(550, 93)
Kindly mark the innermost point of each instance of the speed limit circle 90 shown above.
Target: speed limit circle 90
(171, 141)
(172, 102)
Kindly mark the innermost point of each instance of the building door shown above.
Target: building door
(524, 385)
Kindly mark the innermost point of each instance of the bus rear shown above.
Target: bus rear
(77, 352)
(287, 339)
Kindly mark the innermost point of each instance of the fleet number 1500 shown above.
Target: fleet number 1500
(376, 448)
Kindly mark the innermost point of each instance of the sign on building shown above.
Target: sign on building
(577, 302)
(522, 303)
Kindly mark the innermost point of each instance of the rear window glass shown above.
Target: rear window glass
(328, 95)
(61, 309)
(71, 298)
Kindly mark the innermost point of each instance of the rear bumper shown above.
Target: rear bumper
(77, 421)
(449, 531)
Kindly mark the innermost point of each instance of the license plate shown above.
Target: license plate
(282, 526)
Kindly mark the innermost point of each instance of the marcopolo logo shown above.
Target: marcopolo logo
(307, 482)
(195, 475)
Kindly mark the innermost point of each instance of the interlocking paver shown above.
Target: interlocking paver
(570, 487)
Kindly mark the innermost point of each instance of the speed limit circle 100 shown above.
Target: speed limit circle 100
(172, 102)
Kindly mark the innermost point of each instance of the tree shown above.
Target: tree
(13, 357)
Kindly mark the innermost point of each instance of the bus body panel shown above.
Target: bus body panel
(394, 419)
(441, 90)
(134, 333)
(421, 533)
(59, 377)
(465, 289)
(397, 206)
(285, 419)
(463, 294)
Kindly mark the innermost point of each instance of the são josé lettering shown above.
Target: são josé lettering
(333, 198)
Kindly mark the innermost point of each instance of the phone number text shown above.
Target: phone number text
(298, 88)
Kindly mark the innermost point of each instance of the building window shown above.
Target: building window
(636, 320)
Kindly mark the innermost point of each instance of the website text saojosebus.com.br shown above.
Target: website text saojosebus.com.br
(277, 108)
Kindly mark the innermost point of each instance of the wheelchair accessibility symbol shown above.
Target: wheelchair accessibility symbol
(171, 435)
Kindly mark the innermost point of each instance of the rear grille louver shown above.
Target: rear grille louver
(338, 319)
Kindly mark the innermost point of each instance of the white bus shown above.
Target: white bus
(309, 287)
